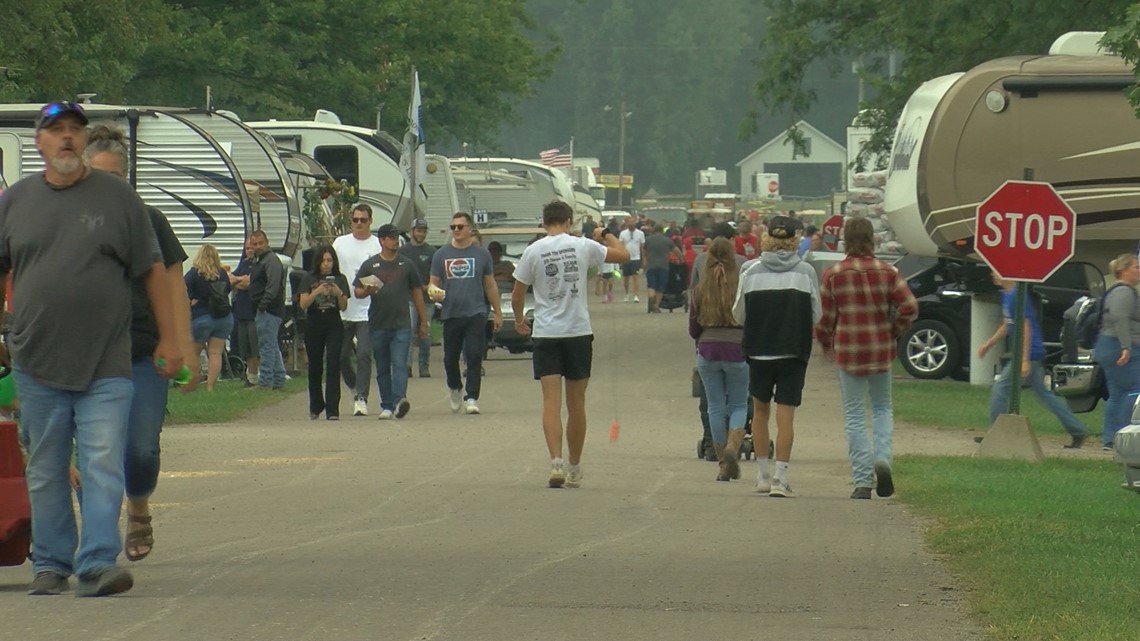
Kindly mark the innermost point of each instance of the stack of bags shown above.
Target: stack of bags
(865, 200)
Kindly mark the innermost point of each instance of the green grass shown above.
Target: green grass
(1048, 550)
(229, 401)
(957, 405)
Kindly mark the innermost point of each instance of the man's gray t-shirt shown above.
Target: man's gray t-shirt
(421, 256)
(72, 253)
(388, 308)
(657, 250)
(460, 273)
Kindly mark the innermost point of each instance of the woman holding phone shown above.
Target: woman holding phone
(324, 294)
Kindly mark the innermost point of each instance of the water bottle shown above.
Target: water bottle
(183, 376)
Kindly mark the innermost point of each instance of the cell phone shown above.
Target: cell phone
(330, 280)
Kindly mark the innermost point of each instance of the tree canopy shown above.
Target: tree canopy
(283, 59)
(928, 39)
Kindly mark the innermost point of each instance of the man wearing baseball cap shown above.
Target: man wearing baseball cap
(392, 282)
(420, 252)
(74, 373)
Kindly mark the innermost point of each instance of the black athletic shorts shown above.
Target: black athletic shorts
(785, 376)
(569, 358)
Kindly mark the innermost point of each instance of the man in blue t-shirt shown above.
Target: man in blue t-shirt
(1031, 367)
(463, 270)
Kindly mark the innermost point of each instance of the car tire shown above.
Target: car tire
(930, 349)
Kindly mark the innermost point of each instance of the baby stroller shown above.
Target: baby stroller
(676, 288)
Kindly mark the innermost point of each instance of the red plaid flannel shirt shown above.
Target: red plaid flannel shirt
(858, 295)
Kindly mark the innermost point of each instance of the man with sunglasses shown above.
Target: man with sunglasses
(353, 249)
(463, 271)
(74, 371)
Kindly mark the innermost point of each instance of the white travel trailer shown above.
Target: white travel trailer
(364, 157)
(177, 166)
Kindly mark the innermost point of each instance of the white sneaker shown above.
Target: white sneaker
(360, 407)
(385, 415)
(557, 475)
(471, 407)
(627, 299)
(636, 299)
(574, 476)
(456, 399)
(763, 483)
(780, 489)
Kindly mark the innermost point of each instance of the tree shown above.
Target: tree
(929, 39)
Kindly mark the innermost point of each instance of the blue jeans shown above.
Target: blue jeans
(854, 391)
(423, 343)
(390, 357)
(1123, 383)
(999, 397)
(726, 386)
(95, 420)
(271, 371)
(148, 411)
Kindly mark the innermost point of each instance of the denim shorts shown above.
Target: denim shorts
(207, 327)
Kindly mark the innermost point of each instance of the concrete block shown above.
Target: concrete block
(1011, 437)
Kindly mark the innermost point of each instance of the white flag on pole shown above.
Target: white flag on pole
(414, 159)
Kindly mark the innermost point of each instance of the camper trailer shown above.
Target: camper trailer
(178, 167)
(1062, 119)
(364, 157)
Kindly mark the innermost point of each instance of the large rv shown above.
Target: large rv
(1061, 118)
(178, 166)
(367, 158)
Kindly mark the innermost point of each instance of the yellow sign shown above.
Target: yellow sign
(611, 181)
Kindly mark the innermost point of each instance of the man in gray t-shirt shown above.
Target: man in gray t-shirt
(658, 248)
(73, 239)
(463, 271)
(392, 282)
(420, 252)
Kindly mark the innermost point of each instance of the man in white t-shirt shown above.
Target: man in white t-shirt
(634, 241)
(556, 267)
(352, 250)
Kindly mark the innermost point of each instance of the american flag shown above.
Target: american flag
(556, 158)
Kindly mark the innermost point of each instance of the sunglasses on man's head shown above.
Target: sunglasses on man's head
(359, 220)
(455, 227)
(53, 109)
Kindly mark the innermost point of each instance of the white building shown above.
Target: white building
(817, 171)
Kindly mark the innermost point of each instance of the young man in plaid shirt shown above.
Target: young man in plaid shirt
(866, 306)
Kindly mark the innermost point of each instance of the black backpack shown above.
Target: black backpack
(219, 300)
(1089, 316)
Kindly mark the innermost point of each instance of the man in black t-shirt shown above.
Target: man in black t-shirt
(420, 252)
(245, 314)
(267, 289)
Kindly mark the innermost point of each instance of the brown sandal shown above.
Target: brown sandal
(140, 537)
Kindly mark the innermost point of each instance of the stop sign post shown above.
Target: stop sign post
(1025, 231)
(831, 232)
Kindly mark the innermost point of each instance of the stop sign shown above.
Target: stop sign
(1025, 231)
(831, 232)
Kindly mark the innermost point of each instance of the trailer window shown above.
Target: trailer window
(341, 161)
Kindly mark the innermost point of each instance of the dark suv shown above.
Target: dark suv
(938, 343)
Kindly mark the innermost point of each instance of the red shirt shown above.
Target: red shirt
(748, 246)
(866, 306)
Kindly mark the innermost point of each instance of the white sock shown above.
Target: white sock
(762, 463)
(782, 471)
(573, 468)
(556, 462)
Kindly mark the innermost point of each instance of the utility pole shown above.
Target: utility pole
(621, 157)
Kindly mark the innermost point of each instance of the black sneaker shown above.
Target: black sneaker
(402, 408)
(48, 583)
(1076, 443)
(861, 493)
(885, 486)
(110, 581)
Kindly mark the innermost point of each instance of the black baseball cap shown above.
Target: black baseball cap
(53, 111)
(722, 230)
(781, 227)
(388, 230)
